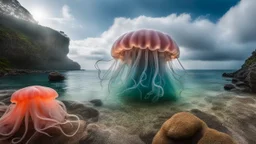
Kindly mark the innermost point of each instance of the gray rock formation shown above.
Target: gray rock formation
(27, 45)
(244, 79)
(14, 8)
(55, 77)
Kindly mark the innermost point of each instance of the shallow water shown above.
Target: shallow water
(203, 90)
(85, 85)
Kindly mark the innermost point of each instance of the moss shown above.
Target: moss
(28, 45)
(7, 34)
(4, 65)
(251, 60)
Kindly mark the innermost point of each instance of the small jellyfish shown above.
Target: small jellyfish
(143, 68)
(36, 104)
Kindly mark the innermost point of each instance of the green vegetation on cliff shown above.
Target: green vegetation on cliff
(4, 65)
(251, 60)
(27, 45)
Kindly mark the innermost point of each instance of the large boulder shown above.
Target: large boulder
(180, 128)
(85, 112)
(96, 102)
(185, 128)
(229, 87)
(212, 136)
(55, 77)
(228, 75)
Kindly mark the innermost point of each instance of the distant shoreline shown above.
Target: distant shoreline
(15, 72)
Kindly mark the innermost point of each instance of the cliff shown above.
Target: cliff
(244, 79)
(14, 9)
(26, 45)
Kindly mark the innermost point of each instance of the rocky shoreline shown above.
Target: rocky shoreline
(107, 124)
(243, 79)
(15, 72)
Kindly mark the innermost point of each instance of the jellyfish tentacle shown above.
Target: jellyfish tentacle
(132, 70)
(62, 105)
(97, 66)
(56, 123)
(175, 74)
(78, 127)
(181, 65)
(118, 73)
(115, 76)
(143, 76)
(31, 137)
(9, 120)
(107, 73)
(134, 64)
(25, 132)
(155, 55)
(112, 75)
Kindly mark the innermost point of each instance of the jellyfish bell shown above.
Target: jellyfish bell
(36, 105)
(142, 68)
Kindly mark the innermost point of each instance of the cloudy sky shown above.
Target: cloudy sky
(217, 34)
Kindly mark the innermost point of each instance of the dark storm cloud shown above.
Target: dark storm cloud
(95, 16)
(98, 15)
(221, 55)
(231, 38)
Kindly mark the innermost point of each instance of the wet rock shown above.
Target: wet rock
(241, 74)
(147, 137)
(55, 77)
(246, 75)
(59, 138)
(185, 128)
(230, 75)
(96, 102)
(229, 87)
(241, 84)
(252, 80)
(211, 120)
(212, 136)
(234, 80)
(86, 113)
(180, 128)
(100, 134)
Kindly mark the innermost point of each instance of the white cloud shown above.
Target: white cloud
(214, 45)
(66, 15)
(66, 12)
(65, 22)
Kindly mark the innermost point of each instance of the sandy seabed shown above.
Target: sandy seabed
(230, 112)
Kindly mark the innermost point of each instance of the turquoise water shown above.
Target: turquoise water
(85, 85)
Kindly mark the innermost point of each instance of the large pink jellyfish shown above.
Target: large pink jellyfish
(36, 103)
(143, 66)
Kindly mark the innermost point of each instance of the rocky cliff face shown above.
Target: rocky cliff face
(14, 8)
(245, 78)
(27, 45)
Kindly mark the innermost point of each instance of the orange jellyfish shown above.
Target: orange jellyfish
(143, 69)
(36, 103)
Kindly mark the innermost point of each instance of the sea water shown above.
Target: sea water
(85, 85)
